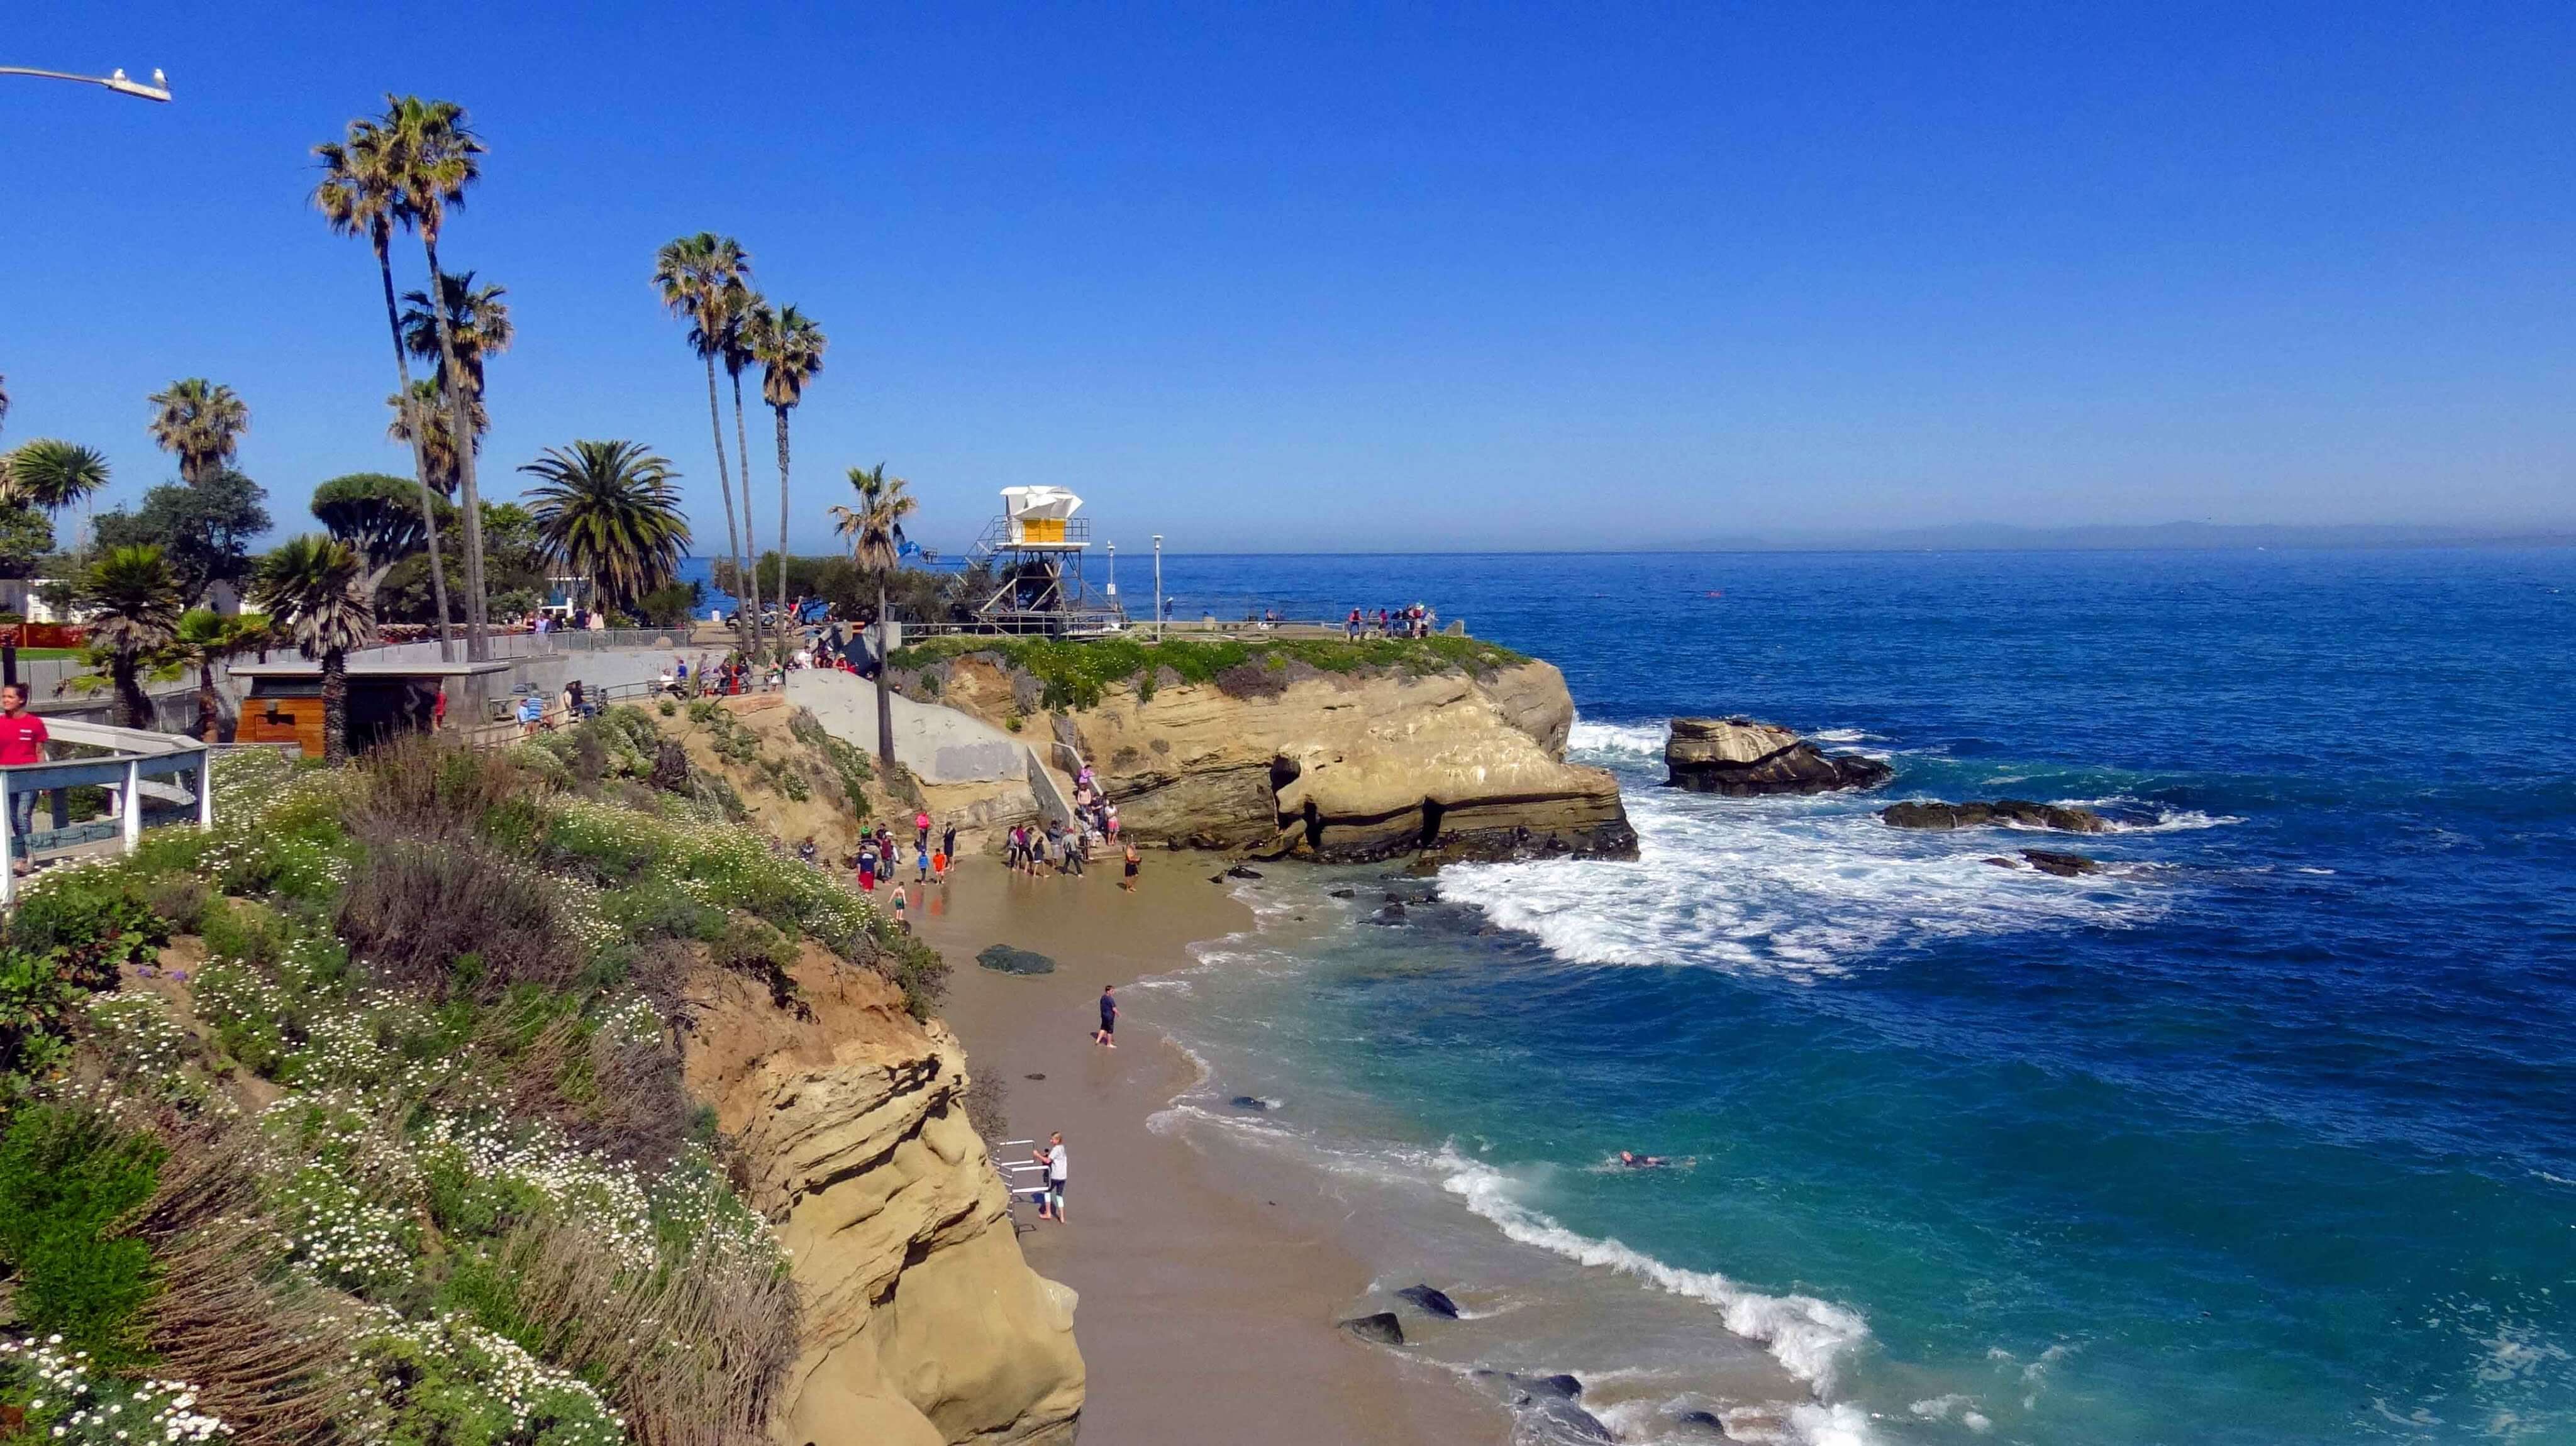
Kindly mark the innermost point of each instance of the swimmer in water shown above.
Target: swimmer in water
(1642, 1162)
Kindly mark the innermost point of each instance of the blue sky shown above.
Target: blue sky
(1348, 277)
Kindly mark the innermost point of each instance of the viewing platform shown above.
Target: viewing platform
(161, 778)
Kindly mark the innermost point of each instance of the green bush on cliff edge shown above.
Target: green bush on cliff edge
(1077, 672)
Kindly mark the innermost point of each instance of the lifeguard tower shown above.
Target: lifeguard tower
(1033, 553)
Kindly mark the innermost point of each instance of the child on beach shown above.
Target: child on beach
(1133, 859)
(921, 861)
(902, 920)
(939, 866)
(867, 868)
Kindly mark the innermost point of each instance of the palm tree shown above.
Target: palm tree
(437, 443)
(701, 281)
(607, 511)
(737, 355)
(205, 638)
(431, 158)
(202, 422)
(309, 588)
(875, 530)
(51, 474)
(360, 196)
(789, 347)
(477, 319)
(131, 599)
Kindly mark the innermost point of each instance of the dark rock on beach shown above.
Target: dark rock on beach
(1558, 1387)
(1382, 1327)
(1250, 1102)
(2065, 866)
(1004, 958)
(1741, 758)
(1241, 872)
(1432, 1301)
(1933, 814)
(1569, 1422)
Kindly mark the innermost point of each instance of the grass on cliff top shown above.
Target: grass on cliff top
(1077, 671)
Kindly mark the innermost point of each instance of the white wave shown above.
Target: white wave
(1642, 740)
(1843, 735)
(1806, 1335)
(1793, 886)
(2167, 820)
(1835, 1425)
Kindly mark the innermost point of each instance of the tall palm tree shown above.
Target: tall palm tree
(875, 530)
(700, 279)
(309, 589)
(737, 356)
(789, 347)
(437, 443)
(477, 319)
(360, 196)
(205, 638)
(131, 601)
(200, 421)
(607, 511)
(432, 156)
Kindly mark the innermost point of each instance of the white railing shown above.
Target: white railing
(136, 758)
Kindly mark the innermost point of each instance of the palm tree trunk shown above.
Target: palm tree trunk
(208, 713)
(414, 423)
(782, 526)
(335, 706)
(885, 689)
(742, 456)
(460, 422)
(724, 485)
(131, 704)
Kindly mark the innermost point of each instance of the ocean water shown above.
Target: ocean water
(2266, 1135)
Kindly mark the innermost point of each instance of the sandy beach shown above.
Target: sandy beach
(1206, 1313)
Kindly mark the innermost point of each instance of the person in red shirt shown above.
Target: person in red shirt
(22, 740)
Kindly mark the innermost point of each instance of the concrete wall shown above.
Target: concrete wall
(939, 745)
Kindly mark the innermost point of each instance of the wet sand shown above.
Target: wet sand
(1206, 1314)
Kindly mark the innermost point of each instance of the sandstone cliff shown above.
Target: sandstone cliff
(1280, 757)
(923, 1324)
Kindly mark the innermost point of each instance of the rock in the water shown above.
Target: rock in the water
(1345, 893)
(1707, 1419)
(1933, 814)
(1390, 914)
(1558, 1387)
(1008, 960)
(2065, 866)
(1251, 1102)
(1381, 1327)
(1239, 871)
(1570, 1421)
(1742, 758)
(1433, 1302)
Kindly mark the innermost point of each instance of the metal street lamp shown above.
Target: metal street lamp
(114, 80)
(1158, 587)
(1113, 570)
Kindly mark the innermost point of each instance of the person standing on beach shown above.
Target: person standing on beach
(902, 920)
(1107, 1034)
(1058, 1164)
(867, 866)
(948, 840)
(921, 829)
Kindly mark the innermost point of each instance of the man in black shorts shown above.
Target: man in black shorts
(1108, 1032)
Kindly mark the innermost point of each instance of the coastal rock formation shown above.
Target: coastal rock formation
(1382, 1328)
(923, 1324)
(2019, 812)
(1742, 758)
(1345, 766)
(2065, 866)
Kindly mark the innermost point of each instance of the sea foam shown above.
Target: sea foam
(1809, 1337)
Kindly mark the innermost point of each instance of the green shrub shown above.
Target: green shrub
(243, 929)
(92, 921)
(180, 899)
(35, 1001)
(669, 707)
(658, 908)
(68, 1179)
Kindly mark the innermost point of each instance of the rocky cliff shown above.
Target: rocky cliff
(1740, 757)
(923, 1325)
(1277, 756)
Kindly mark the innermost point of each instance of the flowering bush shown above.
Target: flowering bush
(67, 1398)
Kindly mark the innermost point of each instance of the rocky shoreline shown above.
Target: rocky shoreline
(1741, 758)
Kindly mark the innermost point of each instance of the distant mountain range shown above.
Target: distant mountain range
(2166, 537)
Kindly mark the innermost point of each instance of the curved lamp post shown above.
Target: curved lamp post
(115, 80)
